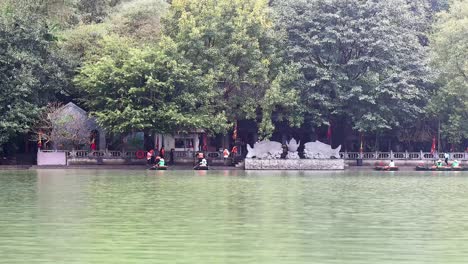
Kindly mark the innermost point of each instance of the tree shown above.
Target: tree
(138, 19)
(29, 71)
(361, 60)
(147, 89)
(449, 44)
(235, 44)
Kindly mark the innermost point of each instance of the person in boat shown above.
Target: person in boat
(439, 163)
(161, 163)
(391, 164)
(200, 157)
(203, 163)
(156, 161)
(455, 164)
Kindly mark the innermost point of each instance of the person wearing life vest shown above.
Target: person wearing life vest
(150, 156)
(161, 162)
(455, 164)
(226, 154)
(203, 163)
(439, 163)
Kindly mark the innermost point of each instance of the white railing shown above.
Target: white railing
(401, 155)
(114, 154)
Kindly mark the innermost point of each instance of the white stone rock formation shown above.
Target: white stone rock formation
(265, 150)
(319, 150)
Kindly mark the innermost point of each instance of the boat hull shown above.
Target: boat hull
(158, 168)
(422, 168)
(386, 168)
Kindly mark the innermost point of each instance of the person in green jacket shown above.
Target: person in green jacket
(161, 163)
(439, 164)
(455, 164)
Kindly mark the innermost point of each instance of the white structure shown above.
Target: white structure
(320, 150)
(293, 145)
(51, 158)
(265, 150)
(297, 164)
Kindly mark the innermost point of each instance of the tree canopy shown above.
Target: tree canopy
(147, 89)
(396, 67)
(235, 44)
(30, 73)
(359, 59)
(450, 57)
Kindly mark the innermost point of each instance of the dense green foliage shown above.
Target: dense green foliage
(167, 66)
(450, 56)
(144, 89)
(235, 43)
(29, 72)
(359, 59)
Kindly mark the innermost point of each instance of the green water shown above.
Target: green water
(98, 216)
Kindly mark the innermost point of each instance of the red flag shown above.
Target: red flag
(234, 134)
(329, 132)
(205, 147)
(433, 147)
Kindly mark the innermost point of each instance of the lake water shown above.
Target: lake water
(114, 216)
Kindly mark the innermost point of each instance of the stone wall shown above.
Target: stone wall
(299, 164)
(105, 161)
(400, 163)
(51, 158)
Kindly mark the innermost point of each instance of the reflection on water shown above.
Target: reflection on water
(98, 216)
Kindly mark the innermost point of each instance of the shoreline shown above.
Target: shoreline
(173, 168)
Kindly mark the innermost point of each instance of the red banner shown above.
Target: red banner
(234, 133)
(433, 147)
(329, 132)
(205, 147)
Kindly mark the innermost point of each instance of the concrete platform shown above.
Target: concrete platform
(298, 164)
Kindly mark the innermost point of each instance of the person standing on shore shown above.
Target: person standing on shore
(171, 157)
(150, 157)
(162, 152)
(93, 144)
(225, 153)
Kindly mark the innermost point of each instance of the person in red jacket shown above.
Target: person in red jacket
(93, 144)
(162, 152)
(150, 156)
(234, 151)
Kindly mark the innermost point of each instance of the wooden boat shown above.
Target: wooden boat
(200, 167)
(386, 168)
(434, 168)
(158, 168)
